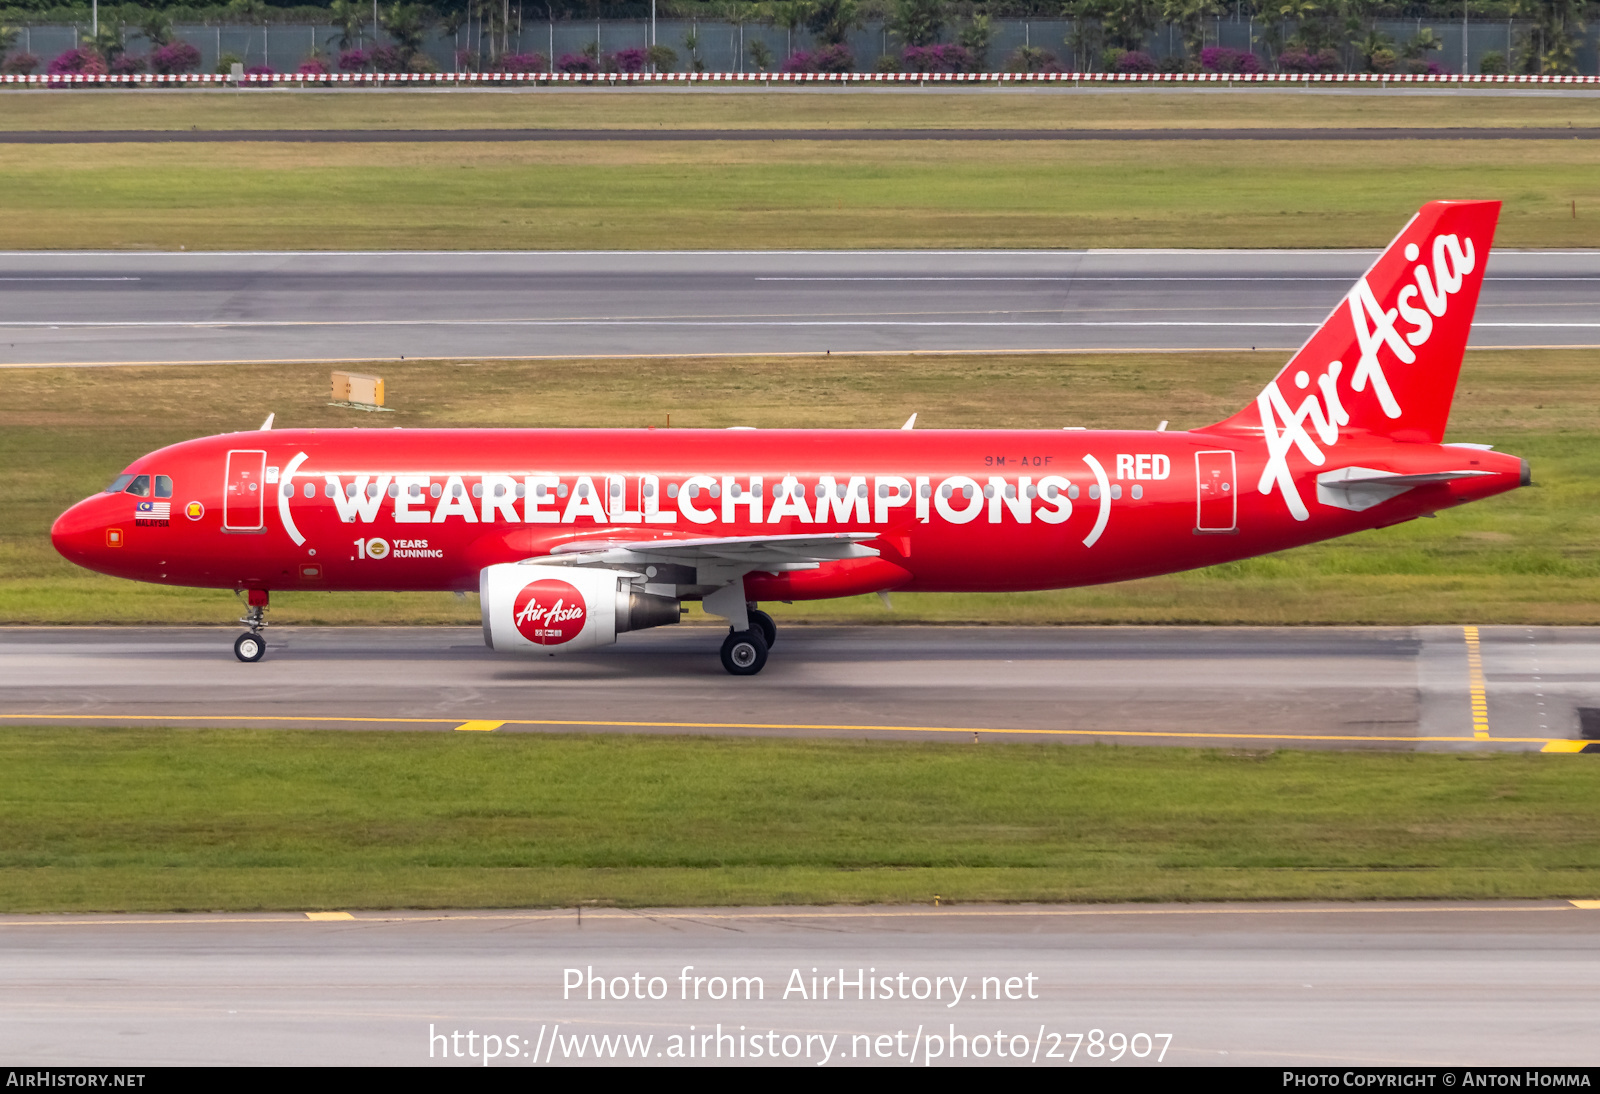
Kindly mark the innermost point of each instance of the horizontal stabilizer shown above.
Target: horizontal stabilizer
(1360, 488)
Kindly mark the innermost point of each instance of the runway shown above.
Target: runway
(1392, 688)
(1325, 986)
(83, 308)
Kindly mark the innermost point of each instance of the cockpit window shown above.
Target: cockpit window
(163, 486)
(140, 487)
(119, 484)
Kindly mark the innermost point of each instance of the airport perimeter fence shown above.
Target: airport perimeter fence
(720, 46)
(767, 79)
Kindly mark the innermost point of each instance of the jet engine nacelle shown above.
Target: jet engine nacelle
(534, 608)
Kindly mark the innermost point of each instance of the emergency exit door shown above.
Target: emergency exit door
(245, 494)
(1216, 503)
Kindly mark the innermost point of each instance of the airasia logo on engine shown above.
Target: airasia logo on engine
(549, 612)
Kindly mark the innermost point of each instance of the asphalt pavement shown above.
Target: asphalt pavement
(1327, 986)
(1384, 688)
(93, 308)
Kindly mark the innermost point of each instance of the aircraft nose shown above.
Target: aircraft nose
(79, 534)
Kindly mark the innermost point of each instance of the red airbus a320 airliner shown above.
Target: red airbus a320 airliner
(572, 536)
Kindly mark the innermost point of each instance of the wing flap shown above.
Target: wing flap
(754, 552)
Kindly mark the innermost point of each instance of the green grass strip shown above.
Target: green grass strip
(800, 194)
(162, 819)
(832, 108)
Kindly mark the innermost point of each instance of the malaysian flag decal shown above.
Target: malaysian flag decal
(153, 513)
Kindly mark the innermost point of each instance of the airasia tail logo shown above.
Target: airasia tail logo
(1376, 328)
(549, 612)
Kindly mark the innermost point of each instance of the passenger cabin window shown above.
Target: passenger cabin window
(140, 487)
(119, 484)
(163, 486)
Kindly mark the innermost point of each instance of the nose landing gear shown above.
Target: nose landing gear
(250, 647)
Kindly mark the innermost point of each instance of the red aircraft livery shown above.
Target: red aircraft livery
(573, 536)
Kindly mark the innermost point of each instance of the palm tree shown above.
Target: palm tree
(406, 24)
(1124, 23)
(1376, 50)
(451, 23)
(107, 43)
(791, 15)
(1551, 43)
(918, 22)
(1190, 17)
(833, 20)
(157, 29)
(738, 14)
(1424, 43)
(494, 20)
(348, 16)
(975, 38)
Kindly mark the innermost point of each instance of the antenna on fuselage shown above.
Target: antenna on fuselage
(268, 423)
(910, 422)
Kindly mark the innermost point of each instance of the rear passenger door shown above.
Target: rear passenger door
(1216, 501)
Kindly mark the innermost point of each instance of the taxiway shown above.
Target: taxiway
(1397, 984)
(1393, 688)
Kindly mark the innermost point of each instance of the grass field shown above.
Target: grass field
(126, 820)
(720, 195)
(1529, 557)
(932, 108)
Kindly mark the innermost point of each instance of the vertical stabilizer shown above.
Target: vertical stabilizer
(1385, 362)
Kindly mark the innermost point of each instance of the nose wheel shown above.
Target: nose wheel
(744, 653)
(250, 647)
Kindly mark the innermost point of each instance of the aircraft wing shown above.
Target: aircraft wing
(744, 553)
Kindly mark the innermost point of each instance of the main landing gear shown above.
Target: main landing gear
(251, 646)
(744, 653)
(761, 621)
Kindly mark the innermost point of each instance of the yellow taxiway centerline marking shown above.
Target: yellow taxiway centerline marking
(478, 727)
(328, 916)
(603, 722)
(1480, 700)
(924, 912)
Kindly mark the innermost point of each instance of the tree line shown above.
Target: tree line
(928, 35)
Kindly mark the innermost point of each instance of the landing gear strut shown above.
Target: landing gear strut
(744, 652)
(251, 646)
